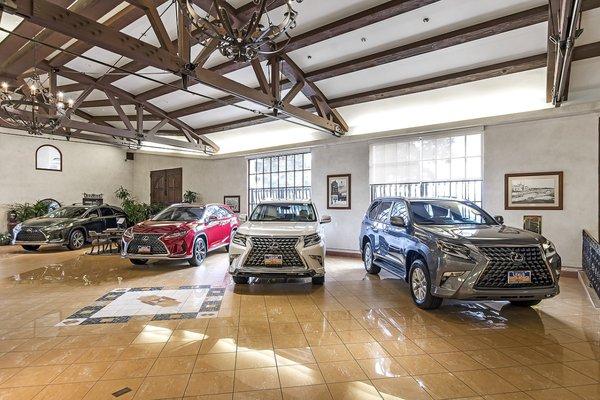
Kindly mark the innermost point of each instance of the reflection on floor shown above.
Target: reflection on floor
(356, 337)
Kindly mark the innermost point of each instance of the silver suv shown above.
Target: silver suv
(448, 248)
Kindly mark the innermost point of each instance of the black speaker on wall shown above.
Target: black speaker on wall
(129, 156)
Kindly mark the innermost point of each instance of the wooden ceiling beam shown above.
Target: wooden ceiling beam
(46, 14)
(157, 25)
(583, 52)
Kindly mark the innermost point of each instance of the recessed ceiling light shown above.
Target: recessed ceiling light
(364, 39)
(426, 19)
(310, 57)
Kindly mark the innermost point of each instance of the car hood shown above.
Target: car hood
(46, 222)
(160, 226)
(278, 228)
(484, 234)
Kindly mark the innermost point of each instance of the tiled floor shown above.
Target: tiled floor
(356, 337)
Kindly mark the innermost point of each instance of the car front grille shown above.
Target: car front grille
(505, 259)
(262, 246)
(31, 235)
(147, 239)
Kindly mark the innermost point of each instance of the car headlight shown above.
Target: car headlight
(18, 227)
(312, 240)
(455, 250)
(548, 247)
(176, 235)
(239, 239)
(128, 234)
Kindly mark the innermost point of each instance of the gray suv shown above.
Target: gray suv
(447, 248)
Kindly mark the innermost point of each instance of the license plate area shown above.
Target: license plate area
(516, 277)
(273, 260)
(144, 249)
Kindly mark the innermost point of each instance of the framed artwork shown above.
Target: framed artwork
(533, 223)
(534, 191)
(233, 202)
(339, 191)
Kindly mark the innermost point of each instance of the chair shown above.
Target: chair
(121, 223)
(100, 242)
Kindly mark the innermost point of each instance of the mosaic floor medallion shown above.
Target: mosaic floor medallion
(161, 303)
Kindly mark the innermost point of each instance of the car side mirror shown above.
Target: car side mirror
(325, 219)
(499, 219)
(398, 222)
(212, 218)
(243, 217)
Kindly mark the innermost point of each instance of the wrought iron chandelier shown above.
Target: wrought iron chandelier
(32, 107)
(246, 40)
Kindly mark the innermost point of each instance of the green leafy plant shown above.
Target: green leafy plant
(190, 196)
(136, 211)
(4, 239)
(25, 211)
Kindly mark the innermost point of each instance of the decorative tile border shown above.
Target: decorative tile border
(128, 307)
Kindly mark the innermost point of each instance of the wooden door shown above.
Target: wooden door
(166, 186)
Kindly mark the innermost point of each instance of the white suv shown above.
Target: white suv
(280, 239)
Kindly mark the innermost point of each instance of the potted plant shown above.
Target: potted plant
(190, 196)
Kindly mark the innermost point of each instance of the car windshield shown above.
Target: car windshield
(285, 212)
(448, 212)
(67, 212)
(180, 214)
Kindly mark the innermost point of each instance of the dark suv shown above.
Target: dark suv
(69, 226)
(447, 248)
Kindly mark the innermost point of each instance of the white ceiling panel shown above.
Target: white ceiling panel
(217, 116)
(93, 68)
(510, 45)
(590, 22)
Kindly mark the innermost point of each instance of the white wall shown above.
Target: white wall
(561, 144)
(87, 168)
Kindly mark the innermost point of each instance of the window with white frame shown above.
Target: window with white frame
(281, 177)
(437, 166)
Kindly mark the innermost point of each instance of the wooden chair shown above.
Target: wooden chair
(99, 242)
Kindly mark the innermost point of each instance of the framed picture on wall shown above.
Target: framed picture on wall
(233, 202)
(338, 191)
(534, 191)
(533, 223)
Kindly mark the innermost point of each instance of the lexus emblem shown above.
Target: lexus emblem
(516, 257)
(273, 246)
(145, 238)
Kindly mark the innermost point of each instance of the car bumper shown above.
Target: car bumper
(312, 258)
(465, 287)
(39, 243)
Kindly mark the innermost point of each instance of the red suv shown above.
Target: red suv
(180, 231)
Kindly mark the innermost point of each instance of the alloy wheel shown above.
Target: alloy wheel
(368, 256)
(200, 250)
(77, 239)
(419, 285)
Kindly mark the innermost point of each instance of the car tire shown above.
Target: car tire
(368, 258)
(76, 239)
(199, 253)
(30, 247)
(139, 261)
(420, 286)
(525, 303)
(240, 280)
(318, 280)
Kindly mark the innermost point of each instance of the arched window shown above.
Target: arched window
(48, 158)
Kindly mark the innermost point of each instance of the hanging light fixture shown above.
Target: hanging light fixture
(246, 40)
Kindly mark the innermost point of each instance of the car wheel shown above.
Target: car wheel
(199, 253)
(420, 286)
(76, 240)
(368, 258)
(240, 280)
(139, 261)
(525, 303)
(318, 280)
(31, 247)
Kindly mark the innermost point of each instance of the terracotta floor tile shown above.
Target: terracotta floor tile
(317, 392)
(19, 359)
(563, 375)
(403, 347)
(553, 394)
(300, 375)
(590, 368)
(525, 378)
(173, 366)
(444, 386)
(401, 388)
(162, 387)
(326, 338)
(433, 345)
(256, 379)
(270, 394)
(215, 362)
(129, 369)
(20, 393)
(104, 389)
(255, 359)
(353, 391)
(100, 354)
(289, 340)
(331, 353)
(255, 343)
(420, 364)
(135, 351)
(291, 356)
(355, 336)
(180, 349)
(33, 376)
(89, 372)
(377, 368)
(367, 350)
(342, 371)
(210, 383)
(65, 391)
(457, 361)
(492, 358)
(485, 382)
